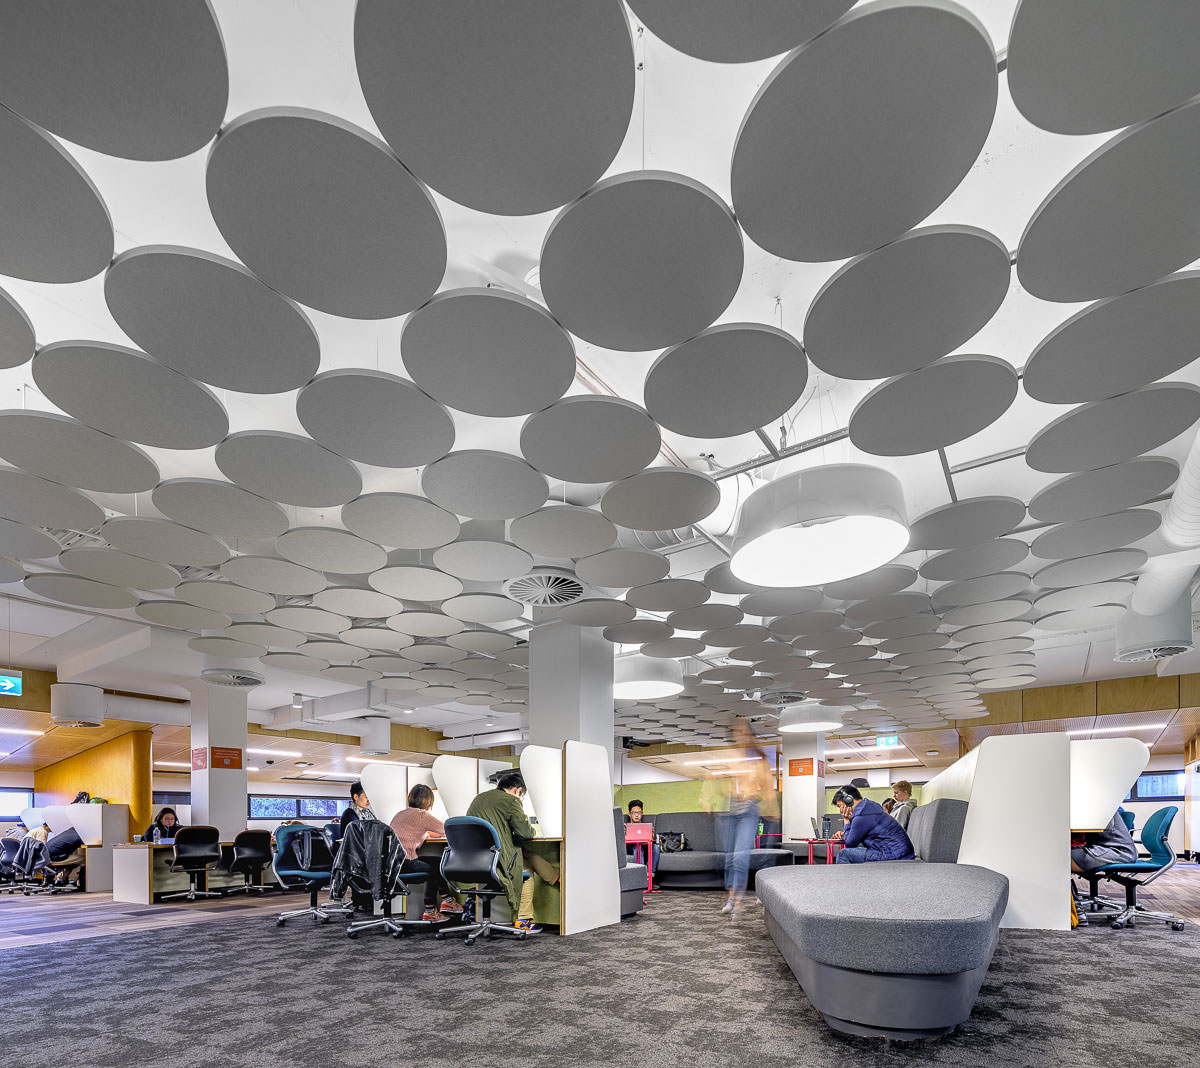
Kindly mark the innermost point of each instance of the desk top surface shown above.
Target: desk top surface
(152, 845)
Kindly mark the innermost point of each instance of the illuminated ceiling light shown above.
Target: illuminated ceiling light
(274, 752)
(332, 774)
(873, 764)
(252, 768)
(303, 763)
(646, 678)
(811, 527)
(171, 764)
(372, 760)
(21, 730)
(1119, 730)
(801, 719)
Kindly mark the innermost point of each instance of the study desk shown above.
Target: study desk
(831, 846)
(142, 872)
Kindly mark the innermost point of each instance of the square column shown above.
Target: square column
(803, 767)
(219, 792)
(570, 687)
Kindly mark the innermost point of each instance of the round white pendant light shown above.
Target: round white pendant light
(645, 678)
(816, 526)
(808, 719)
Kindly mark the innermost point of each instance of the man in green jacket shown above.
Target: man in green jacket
(502, 808)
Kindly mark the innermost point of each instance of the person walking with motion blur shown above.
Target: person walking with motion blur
(751, 795)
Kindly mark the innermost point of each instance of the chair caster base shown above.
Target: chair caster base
(1177, 925)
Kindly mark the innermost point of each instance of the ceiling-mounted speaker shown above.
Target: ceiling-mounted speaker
(73, 704)
(376, 738)
(1141, 638)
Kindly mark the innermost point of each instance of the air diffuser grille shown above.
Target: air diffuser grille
(545, 587)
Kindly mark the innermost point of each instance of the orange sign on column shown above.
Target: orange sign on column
(200, 758)
(800, 766)
(226, 757)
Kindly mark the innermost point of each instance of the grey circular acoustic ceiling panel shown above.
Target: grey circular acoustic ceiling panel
(597, 612)
(1095, 617)
(1088, 536)
(1074, 597)
(996, 647)
(415, 582)
(26, 543)
(308, 665)
(375, 638)
(1111, 431)
(661, 498)
(890, 606)
(913, 643)
(211, 319)
(264, 634)
(331, 650)
(729, 31)
(996, 587)
(1127, 215)
(557, 79)
(482, 608)
(224, 597)
(637, 631)
(375, 417)
(1085, 570)
(641, 261)
(164, 541)
(10, 572)
(309, 620)
(119, 569)
(704, 617)
(735, 636)
(272, 575)
(488, 352)
(482, 560)
(673, 648)
(720, 579)
(75, 589)
(966, 522)
(891, 578)
(330, 549)
(795, 599)
(991, 632)
(1086, 66)
(17, 339)
(179, 616)
(1087, 358)
(125, 393)
(62, 450)
(979, 613)
(56, 227)
(130, 78)
(481, 641)
(220, 508)
(1104, 491)
(870, 86)
(668, 595)
(986, 558)
(902, 306)
(817, 622)
(590, 439)
(26, 498)
(357, 603)
(325, 213)
(484, 484)
(288, 468)
(562, 531)
(727, 380)
(402, 520)
(934, 407)
(1014, 682)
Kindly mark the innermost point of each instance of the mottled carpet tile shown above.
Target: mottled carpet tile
(678, 985)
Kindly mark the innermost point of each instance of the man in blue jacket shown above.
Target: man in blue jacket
(870, 834)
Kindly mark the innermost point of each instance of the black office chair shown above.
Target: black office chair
(8, 853)
(251, 853)
(197, 851)
(471, 865)
(31, 862)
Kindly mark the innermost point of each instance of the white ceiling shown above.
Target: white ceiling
(685, 118)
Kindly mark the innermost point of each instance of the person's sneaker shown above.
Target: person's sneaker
(435, 917)
(450, 906)
(528, 926)
(736, 912)
(728, 907)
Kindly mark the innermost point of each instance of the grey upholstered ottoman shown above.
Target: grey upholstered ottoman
(896, 949)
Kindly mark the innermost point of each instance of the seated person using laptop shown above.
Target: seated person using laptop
(870, 834)
(167, 823)
(636, 850)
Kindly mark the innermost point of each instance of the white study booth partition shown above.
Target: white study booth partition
(542, 770)
(1102, 772)
(1018, 790)
(387, 788)
(100, 827)
(424, 777)
(591, 885)
(457, 781)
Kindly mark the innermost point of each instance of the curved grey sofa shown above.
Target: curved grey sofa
(896, 949)
(702, 864)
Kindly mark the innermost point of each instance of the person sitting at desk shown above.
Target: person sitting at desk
(502, 808)
(360, 807)
(870, 834)
(40, 832)
(167, 823)
(18, 831)
(636, 809)
(413, 825)
(1113, 845)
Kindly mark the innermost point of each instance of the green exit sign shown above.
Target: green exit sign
(887, 741)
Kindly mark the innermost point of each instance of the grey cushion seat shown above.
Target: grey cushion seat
(632, 876)
(931, 919)
(691, 860)
(766, 858)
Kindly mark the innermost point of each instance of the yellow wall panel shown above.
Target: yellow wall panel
(118, 770)
(1144, 693)
(1059, 702)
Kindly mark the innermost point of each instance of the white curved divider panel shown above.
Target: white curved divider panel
(955, 782)
(591, 888)
(542, 769)
(387, 788)
(59, 819)
(424, 777)
(490, 767)
(32, 817)
(1102, 771)
(457, 780)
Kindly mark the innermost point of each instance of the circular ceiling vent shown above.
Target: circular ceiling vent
(779, 698)
(232, 673)
(546, 587)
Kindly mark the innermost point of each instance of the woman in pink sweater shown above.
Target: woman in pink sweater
(412, 826)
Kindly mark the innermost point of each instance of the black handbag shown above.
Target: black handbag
(672, 841)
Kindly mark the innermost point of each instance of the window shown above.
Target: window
(1158, 786)
(168, 797)
(261, 807)
(271, 808)
(14, 802)
(325, 808)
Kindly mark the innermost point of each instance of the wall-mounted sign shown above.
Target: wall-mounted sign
(200, 758)
(10, 683)
(800, 766)
(887, 741)
(226, 757)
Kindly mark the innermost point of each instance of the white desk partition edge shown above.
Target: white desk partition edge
(457, 780)
(542, 769)
(424, 777)
(1102, 772)
(592, 893)
(387, 788)
(1018, 821)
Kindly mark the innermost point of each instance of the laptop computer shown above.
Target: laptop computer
(639, 832)
(816, 829)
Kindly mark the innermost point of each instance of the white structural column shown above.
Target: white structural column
(219, 793)
(804, 791)
(570, 687)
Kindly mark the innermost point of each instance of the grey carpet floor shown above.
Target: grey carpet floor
(678, 985)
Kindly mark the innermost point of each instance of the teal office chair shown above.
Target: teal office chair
(303, 858)
(471, 865)
(1161, 859)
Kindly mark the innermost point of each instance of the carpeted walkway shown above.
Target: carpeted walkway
(679, 985)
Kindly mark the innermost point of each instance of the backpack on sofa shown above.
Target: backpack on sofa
(672, 841)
